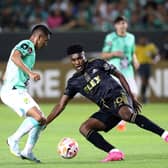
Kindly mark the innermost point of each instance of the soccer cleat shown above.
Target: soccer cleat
(114, 155)
(13, 146)
(166, 138)
(29, 156)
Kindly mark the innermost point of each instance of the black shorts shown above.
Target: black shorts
(108, 114)
(145, 70)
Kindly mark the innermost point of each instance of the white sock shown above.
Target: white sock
(122, 122)
(24, 128)
(165, 133)
(32, 139)
(114, 150)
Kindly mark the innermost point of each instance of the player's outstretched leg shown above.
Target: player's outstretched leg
(147, 124)
(25, 127)
(32, 139)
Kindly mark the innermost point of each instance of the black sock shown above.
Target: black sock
(143, 89)
(98, 140)
(146, 124)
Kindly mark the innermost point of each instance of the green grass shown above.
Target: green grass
(142, 149)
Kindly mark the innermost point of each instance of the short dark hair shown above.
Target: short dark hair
(76, 48)
(43, 28)
(120, 18)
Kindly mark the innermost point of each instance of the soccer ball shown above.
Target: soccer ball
(68, 148)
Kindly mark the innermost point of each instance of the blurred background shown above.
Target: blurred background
(85, 22)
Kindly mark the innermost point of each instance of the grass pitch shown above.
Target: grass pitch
(142, 148)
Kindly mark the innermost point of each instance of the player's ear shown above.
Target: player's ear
(83, 55)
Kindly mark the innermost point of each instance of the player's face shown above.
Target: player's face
(42, 41)
(77, 61)
(121, 26)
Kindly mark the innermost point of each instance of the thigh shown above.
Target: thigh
(19, 100)
(116, 101)
(108, 119)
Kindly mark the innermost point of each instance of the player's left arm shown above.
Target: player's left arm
(135, 62)
(58, 108)
(155, 54)
(124, 83)
(17, 59)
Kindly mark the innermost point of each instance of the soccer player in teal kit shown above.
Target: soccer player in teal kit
(119, 50)
(14, 91)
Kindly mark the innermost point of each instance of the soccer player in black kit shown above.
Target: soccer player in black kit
(94, 81)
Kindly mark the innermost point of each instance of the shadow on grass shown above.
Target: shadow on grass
(138, 158)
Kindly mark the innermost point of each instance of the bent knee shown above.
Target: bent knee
(42, 120)
(125, 113)
(84, 129)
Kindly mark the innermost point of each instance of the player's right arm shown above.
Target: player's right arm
(108, 55)
(58, 108)
(16, 58)
(106, 51)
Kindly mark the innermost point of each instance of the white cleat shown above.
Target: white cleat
(13, 146)
(29, 156)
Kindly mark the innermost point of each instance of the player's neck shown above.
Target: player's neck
(121, 33)
(33, 40)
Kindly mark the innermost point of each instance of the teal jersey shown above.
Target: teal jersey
(14, 76)
(125, 44)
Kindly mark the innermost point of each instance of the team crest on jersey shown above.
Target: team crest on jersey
(26, 100)
(24, 46)
(109, 43)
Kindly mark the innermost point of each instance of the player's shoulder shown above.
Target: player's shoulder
(74, 76)
(26, 41)
(110, 35)
(131, 35)
(96, 61)
(24, 44)
(152, 45)
(74, 80)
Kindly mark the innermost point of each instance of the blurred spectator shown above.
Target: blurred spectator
(164, 48)
(135, 21)
(147, 54)
(17, 15)
(84, 15)
(39, 15)
(69, 20)
(55, 18)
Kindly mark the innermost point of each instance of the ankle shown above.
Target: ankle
(165, 134)
(114, 150)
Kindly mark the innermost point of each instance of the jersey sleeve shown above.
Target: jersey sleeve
(107, 44)
(24, 47)
(133, 46)
(105, 66)
(70, 90)
(109, 68)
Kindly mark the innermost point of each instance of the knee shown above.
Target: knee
(126, 114)
(41, 119)
(84, 129)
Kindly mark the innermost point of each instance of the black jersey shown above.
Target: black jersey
(95, 82)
